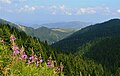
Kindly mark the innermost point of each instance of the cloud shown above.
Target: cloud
(6, 1)
(58, 10)
(64, 10)
(77, 11)
(118, 11)
(86, 11)
(52, 9)
(22, 0)
(19, 1)
(27, 8)
(12, 1)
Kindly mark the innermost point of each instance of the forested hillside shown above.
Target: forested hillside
(105, 51)
(100, 57)
(52, 36)
(106, 29)
(96, 45)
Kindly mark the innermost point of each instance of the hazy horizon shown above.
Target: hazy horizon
(29, 12)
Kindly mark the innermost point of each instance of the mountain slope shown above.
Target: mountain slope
(108, 28)
(104, 51)
(51, 35)
(100, 57)
(43, 33)
(27, 30)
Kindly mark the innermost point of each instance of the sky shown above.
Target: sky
(30, 12)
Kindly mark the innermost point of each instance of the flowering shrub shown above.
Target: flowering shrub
(15, 62)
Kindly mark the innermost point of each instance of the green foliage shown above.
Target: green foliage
(95, 50)
(27, 41)
(77, 39)
(106, 52)
(21, 69)
(73, 64)
(13, 66)
(50, 35)
(100, 57)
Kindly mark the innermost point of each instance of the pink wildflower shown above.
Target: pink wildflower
(48, 63)
(31, 58)
(22, 50)
(15, 52)
(28, 61)
(41, 60)
(2, 41)
(14, 48)
(37, 63)
(52, 65)
(36, 58)
(12, 38)
(24, 56)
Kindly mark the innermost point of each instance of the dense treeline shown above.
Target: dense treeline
(106, 51)
(106, 29)
(100, 57)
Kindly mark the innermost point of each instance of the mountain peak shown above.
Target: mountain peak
(43, 28)
(114, 20)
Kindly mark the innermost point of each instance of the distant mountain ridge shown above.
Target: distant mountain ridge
(43, 33)
(72, 24)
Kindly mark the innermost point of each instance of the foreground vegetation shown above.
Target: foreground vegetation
(23, 55)
(15, 62)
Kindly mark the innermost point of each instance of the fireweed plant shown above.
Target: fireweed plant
(15, 62)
